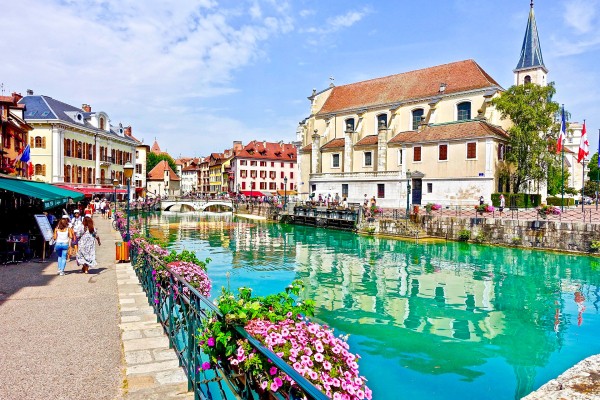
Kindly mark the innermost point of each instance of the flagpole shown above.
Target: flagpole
(598, 173)
(583, 173)
(562, 163)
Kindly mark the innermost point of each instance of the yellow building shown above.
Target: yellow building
(75, 145)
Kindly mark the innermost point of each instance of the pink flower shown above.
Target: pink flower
(264, 384)
(210, 342)
(274, 387)
(327, 365)
(273, 370)
(205, 366)
(278, 381)
(319, 357)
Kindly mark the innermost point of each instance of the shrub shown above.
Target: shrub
(558, 201)
(480, 237)
(432, 207)
(464, 235)
(519, 200)
(595, 246)
(516, 241)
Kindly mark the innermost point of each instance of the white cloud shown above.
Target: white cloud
(581, 15)
(340, 22)
(306, 13)
(135, 59)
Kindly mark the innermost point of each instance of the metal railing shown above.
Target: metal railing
(182, 311)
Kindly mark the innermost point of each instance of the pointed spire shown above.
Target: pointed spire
(531, 52)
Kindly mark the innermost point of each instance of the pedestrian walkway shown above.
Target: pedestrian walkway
(83, 336)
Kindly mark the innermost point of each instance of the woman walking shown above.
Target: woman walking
(86, 254)
(62, 237)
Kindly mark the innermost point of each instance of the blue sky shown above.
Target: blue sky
(198, 74)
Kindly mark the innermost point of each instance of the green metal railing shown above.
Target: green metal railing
(182, 310)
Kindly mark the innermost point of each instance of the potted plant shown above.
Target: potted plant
(544, 210)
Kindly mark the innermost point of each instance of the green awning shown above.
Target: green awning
(48, 194)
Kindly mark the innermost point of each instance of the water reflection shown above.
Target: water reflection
(494, 321)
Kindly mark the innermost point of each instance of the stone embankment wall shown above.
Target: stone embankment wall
(551, 235)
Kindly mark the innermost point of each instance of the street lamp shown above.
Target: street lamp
(251, 187)
(408, 174)
(115, 184)
(284, 192)
(128, 172)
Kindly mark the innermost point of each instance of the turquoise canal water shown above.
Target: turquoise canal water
(431, 321)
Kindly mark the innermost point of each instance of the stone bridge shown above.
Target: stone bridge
(194, 205)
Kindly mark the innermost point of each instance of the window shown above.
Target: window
(263, 163)
(282, 165)
(463, 111)
(252, 174)
(400, 156)
(349, 124)
(527, 79)
(291, 165)
(243, 185)
(471, 150)
(263, 174)
(313, 188)
(417, 153)
(443, 152)
(138, 168)
(282, 174)
(101, 123)
(272, 186)
(368, 158)
(243, 162)
(40, 169)
(253, 163)
(380, 190)
(263, 186)
(417, 116)
(291, 175)
(344, 190)
(430, 188)
(38, 141)
(501, 151)
(272, 164)
(382, 120)
(335, 161)
(272, 175)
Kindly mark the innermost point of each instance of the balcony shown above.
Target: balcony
(106, 161)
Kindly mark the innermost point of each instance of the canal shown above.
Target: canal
(430, 321)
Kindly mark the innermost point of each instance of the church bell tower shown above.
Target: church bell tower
(531, 68)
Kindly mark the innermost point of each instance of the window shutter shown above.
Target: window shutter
(43, 143)
(31, 142)
(44, 169)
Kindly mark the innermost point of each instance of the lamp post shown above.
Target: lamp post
(408, 174)
(115, 184)
(284, 192)
(128, 172)
(251, 187)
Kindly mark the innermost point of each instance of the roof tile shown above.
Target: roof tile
(451, 131)
(367, 141)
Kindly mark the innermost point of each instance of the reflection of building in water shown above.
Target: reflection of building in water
(259, 241)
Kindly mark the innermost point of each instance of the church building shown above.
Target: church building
(418, 137)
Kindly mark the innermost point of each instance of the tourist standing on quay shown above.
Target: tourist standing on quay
(86, 256)
(62, 238)
(502, 203)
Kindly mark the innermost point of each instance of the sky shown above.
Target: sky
(199, 74)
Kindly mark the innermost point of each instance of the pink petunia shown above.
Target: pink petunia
(273, 371)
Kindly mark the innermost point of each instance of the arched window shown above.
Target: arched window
(527, 79)
(79, 175)
(102, 123)
(463, 111)
(382, 120)
(38, 141)
(38, 170)
(89, 175)
(417, 116)
(349, 124)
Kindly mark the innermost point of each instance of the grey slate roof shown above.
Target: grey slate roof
(46, 108)
(531, 51)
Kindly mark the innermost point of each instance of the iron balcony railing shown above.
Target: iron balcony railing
(182, 310)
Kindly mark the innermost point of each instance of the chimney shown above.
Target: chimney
(237, 145)
(29, 92)
(16, 97)
(127, 131)
(86, 107)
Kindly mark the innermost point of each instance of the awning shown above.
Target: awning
(50, 195)
(90, 190)
(288, 193)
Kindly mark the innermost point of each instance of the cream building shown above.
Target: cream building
(429, 135)
(78, 146)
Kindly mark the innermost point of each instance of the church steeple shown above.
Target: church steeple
(531, 66)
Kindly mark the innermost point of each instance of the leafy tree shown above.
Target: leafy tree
(534, 132)
(153, 159)
(555, 180)
(593, 164)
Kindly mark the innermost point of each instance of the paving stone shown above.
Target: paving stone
(138, 357)
(146, 343)
(126, 301)
(129, 335)
(164, 354)
(153, 332)
(163, 366)
(140, 382)
(131, 318)
(173, 376)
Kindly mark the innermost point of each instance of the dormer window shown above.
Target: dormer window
(417, 116)
(382, 121)
(463, 111)
(101, 123)
(349, 124)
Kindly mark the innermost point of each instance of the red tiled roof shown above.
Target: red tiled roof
(307, 147)
(334, 144)
(367, 141)
(451, 131)
(158, 172)
(155, 148)
(191, 167)
(458, 76)
(268, 151)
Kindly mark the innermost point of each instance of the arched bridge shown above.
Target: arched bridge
(195, 205)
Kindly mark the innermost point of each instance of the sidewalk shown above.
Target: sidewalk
(83, 336)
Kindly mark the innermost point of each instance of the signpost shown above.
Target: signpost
(46, 231)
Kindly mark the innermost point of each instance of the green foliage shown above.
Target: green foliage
(589, 188)
(595, 246)
(519, 200)
(557, 201)
(153, 159)
(464, 235)
(369, 229)
(594, 172)
(480, 237)
(516, 241)
(186, 256)
(535, 129)
(556, 179)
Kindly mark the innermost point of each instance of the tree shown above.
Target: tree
(153, 159)
(534, 132)
(556, 179)
(593, 165)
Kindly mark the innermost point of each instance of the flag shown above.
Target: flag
(563, 132)
(24, 156)
(584, 145)
(29, 168)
